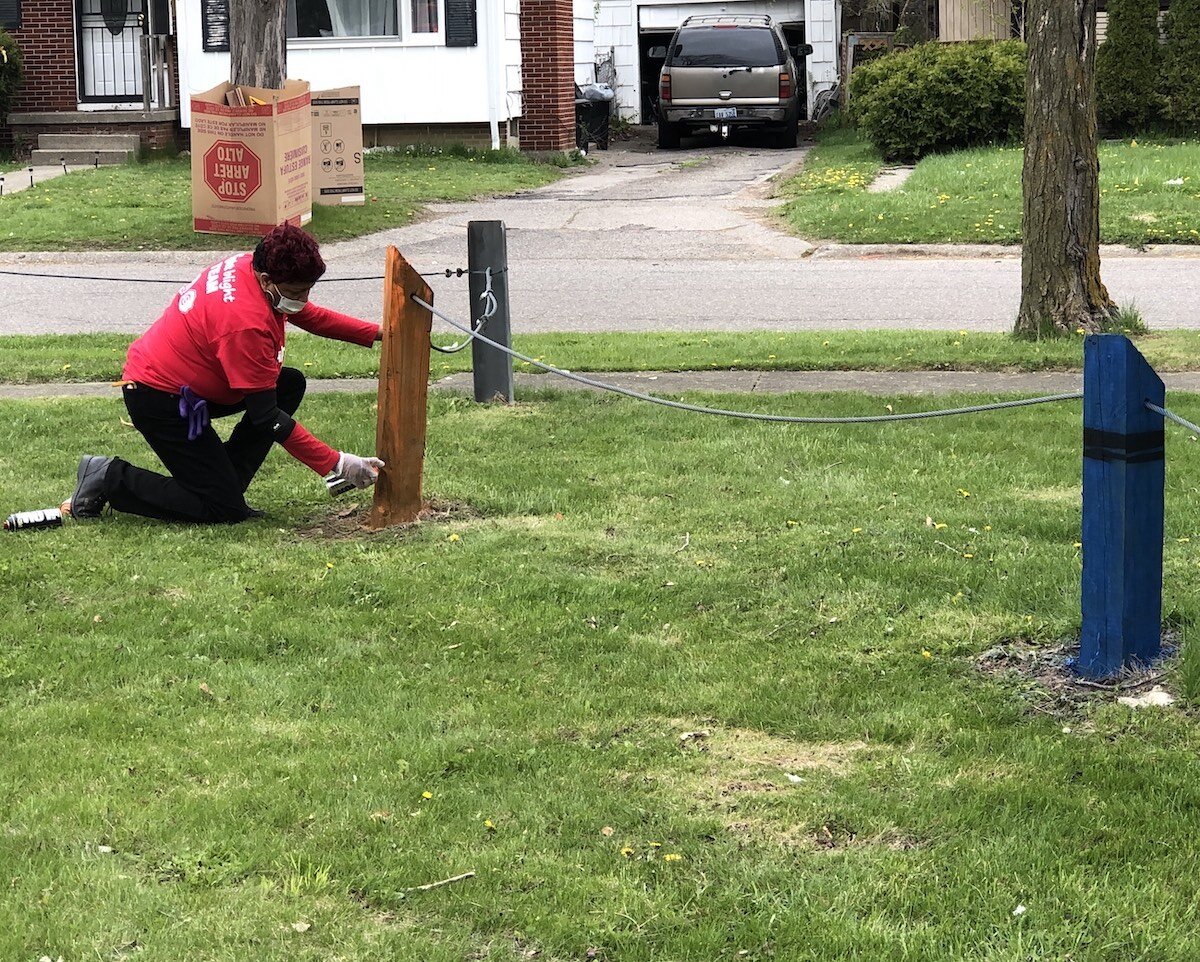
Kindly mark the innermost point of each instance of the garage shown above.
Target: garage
(630, 33)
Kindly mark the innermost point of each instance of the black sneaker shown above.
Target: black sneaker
(253, 514)
(89, 498)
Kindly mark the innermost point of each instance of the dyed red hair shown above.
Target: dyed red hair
(289, 255)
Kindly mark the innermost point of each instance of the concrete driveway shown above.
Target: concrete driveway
(645, 240)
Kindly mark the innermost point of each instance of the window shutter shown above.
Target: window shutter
(214, 26)
(460, 24)
(10, 14)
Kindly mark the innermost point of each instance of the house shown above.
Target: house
(627, 31)
(482, 72)
(430, 70)
(98, 78)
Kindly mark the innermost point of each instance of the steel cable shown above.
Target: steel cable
(448, 272)
(745, 415)
(1172, 416)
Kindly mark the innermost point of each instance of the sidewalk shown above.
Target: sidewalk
(15, 181)
(880, 383)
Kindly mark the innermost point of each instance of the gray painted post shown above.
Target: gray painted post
(487, 247)
(1123, 477)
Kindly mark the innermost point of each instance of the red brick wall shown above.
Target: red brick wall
(47, 42)
(547, 75)
(154, 136)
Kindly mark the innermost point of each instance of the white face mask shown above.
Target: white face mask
(285, 305)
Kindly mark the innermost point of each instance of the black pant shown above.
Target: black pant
(209, 477)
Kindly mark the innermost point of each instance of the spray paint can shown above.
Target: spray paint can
(28, 520)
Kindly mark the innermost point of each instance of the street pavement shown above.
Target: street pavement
(643, 241)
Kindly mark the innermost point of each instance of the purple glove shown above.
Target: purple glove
(194, 410)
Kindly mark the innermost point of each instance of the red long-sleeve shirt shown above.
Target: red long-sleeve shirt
(221, 337)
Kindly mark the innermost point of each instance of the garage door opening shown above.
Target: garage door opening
(649, 68)
(793, 33)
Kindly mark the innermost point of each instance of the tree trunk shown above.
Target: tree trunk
(1061, 290)
(258, 43)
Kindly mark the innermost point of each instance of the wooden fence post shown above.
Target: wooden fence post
(1123, 477)
(403, 394)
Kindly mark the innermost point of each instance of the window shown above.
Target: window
(10, 14)
(343, 18)
(424, 16)
(726, 46)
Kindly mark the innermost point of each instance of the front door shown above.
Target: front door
(110, 50)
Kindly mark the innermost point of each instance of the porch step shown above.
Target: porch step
(88, 141)
(80, 158)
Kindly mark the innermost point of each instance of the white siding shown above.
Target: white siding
(512, 55)
(616, 31)
(403, 82)
(822, 28)
(585, 46)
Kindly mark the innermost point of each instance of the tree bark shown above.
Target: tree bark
(1061, 290)
(258, 43)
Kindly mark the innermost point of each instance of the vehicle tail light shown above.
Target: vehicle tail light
(785, 85)
(664, 87)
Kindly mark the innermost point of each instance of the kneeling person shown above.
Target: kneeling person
(217, 351)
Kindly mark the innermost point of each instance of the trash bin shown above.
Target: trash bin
(593, 106)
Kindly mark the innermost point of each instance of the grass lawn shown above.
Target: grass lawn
(149, 206)
(98, 357)
(974, 196)
(256, 742)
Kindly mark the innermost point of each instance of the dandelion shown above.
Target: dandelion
(489, 825)
(427, 795)
(656, 844)
(627, 852)
(455, 537)
(672, 857)
(963, 492)
(926, 654)
(855, 530)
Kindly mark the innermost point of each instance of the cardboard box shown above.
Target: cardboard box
(337, 147)
(251, 165)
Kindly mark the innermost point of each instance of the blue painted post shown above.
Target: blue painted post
(1123, 477)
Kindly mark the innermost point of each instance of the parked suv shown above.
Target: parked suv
(722, 73)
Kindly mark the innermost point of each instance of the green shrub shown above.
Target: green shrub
(863, 82)
(10, 72)
(1181, 66)
(1127, 68)
(939, 97)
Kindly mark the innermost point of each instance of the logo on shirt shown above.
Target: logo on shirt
(186, 301)
(279, 357)
(220, 278)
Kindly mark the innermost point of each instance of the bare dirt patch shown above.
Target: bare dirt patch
(1047, 680)
(349, 524)
(755, 783)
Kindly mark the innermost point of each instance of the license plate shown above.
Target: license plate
(725, 113)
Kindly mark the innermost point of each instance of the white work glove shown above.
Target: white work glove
(352, 472)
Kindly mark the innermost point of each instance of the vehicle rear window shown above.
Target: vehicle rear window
(726, 47)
